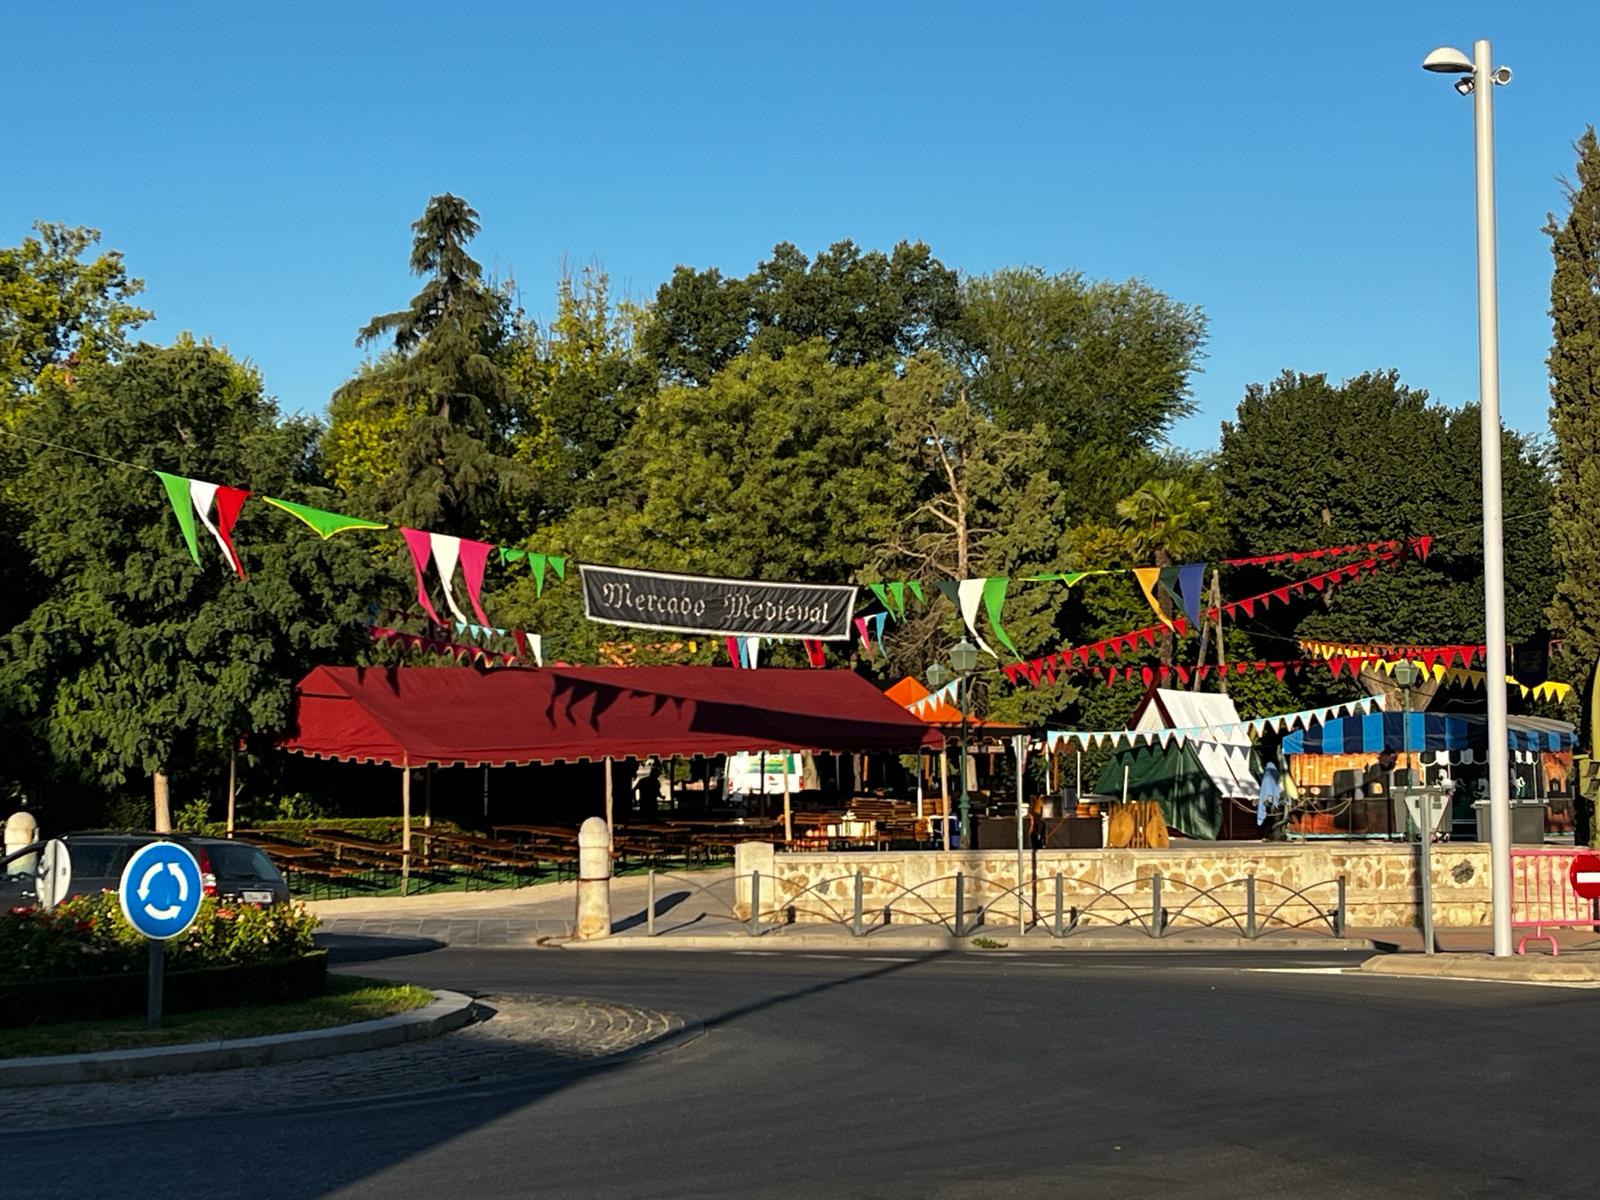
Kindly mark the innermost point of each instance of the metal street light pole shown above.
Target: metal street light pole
(1484, 76)
(964, 660)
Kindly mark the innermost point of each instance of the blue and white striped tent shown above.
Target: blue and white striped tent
(1377, 732)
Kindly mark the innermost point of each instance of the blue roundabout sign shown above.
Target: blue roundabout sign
(161, 890)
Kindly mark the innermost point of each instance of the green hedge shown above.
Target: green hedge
(278, 981)
(88, 936)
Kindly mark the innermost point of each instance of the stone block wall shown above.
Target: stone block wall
(1202, 883)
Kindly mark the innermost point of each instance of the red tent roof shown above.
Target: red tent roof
(443, 715)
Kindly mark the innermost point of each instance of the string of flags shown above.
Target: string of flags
(1057, 739)
(1461, 654)
(1047, 668)
(532, 646)
(934, 700)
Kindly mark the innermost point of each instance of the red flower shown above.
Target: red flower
(21, 910)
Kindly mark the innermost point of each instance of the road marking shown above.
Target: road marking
(1299, 970)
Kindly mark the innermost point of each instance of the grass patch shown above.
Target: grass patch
(984, 943)
(346, 999)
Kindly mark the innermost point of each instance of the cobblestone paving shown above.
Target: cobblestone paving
(520, 1035)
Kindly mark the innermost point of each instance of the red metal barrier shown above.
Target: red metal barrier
(1542, 896)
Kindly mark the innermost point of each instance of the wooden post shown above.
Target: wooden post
(944, 793)
(1078, 797)
(405, 829)
(427, 812)
(788, 816)
(612, 844)
(233, 787)
(163, 802)
(1222, 654)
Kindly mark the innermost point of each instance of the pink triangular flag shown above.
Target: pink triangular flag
(420, 544)
(474, 556)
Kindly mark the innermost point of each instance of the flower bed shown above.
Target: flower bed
(82, 958)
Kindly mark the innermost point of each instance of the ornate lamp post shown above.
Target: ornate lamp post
(964, 661)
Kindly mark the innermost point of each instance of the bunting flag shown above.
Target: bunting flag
(816, 653)
(446, 553)
(866, 635)
(1057, 739)
(881, 591)
(733, 652)
(1461, 654)
(183, 508)
(195, 498)
(1148, 578)
(750, 650)
(930, 703)
(897, 592)
(529, 645)
(415, 641)
(420, 543)
(326, 524)
(474, 557)
(1191, 580)
(879, 620)
(1261, 560)
(969, 594)
(994, 599)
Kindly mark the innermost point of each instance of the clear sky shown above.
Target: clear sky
(1286, 166)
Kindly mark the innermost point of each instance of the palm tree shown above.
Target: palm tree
(1167, 521)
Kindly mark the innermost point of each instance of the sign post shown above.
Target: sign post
(160, 893)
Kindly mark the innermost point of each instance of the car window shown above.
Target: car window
(237, 861)
(95, 860)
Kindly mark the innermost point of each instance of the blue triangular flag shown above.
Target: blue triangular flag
(1191, 579)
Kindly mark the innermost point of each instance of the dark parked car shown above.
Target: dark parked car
(231, 870)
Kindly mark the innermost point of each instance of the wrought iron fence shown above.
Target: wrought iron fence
(773, 900)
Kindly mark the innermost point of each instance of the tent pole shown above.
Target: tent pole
(788, 816)
(405, 829)
(1222, 656)
(612, 840)
(1078, 793)
(427, 811)
(944, 794)
(921, 763)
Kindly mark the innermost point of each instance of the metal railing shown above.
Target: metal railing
(784, 902)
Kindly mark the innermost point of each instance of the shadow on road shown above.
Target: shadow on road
(362, 947)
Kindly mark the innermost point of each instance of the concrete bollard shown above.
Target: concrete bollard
(594, 879)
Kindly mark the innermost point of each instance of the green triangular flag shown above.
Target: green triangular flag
(536, 563)
(881, 593)
(182, 504)
(511, 556)
(325, 523)
(916, 590)
(898, 591)
(950, 590)
(994, 599)
(1169, 580)
(559, 566)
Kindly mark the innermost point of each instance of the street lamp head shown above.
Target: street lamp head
(1447, 60)
(964, 657)
(1464, 85)
(1406, 675)
(937, 675)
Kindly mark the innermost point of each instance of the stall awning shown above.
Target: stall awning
(1377, 732)
(467, 716)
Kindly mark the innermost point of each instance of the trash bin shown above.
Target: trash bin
(1527, 821)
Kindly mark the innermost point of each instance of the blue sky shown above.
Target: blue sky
(1287, 167)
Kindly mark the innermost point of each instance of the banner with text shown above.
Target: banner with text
(726, 607)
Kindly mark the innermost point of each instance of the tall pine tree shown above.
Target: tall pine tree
(1575, 417)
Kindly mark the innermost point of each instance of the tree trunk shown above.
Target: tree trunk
(163, 799)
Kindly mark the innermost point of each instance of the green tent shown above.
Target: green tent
(1173, 777)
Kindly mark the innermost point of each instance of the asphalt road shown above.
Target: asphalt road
(961, 1075)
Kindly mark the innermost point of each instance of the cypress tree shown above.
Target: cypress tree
(1574, 364)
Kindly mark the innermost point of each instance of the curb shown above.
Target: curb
(449, 1011)
(1483, 968)
(777, 943)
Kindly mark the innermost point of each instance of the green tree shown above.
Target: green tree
(453, 469)
(777, 469)
(59, 310)
(866, 306)
(1103, 367)
(1311, 463)
(1575, 414)
(579, 384)
(134, 661)
(983, 507)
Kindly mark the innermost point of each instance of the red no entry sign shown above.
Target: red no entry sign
(1585, 875)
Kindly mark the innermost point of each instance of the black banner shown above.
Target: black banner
(724, 607)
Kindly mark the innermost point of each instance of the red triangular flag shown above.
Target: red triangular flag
(1202, 670)
(1183, 674)
(1249, 606)
(1013, 671)
(1146, 674)
(1424, 544)
(733, 650)
(229, 501)
(1279, 668)
(1111, 676)
(1166, 674)
(1280, 594)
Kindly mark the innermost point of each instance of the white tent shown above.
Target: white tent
(1222, 743)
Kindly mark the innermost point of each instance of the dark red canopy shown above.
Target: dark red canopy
(414, 716)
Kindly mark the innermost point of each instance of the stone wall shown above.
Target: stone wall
(1202, 883)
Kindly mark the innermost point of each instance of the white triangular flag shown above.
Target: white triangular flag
(970, 592)
(446, 550)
